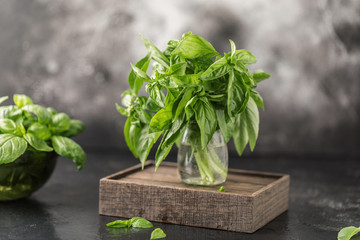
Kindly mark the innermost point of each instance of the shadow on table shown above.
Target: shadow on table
(25, 219)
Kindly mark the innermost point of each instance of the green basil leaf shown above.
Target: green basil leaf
(39, 130)
(119, 224)
(348, 232)
(167, 82)
(171, 97)
(126, 98)
(247, 127)
(145, 142)
(37, 143)
(176, 103)
(221, 189)
(240, 67)
(22, 100)
(68, 148)
(131, 131)
(215, 86)
(186, 80)
(11, 112)
(151, 105)
(3, 99)
(76, 127)
(189, 111)
(184, 100)
(194, 46)
(162, 151)
(7, 126)
(172, 44)
(252, 122)
(238, 95)
(243, 56)
(135, 131)
(206, 119)
(135, 82)
(161, 119)
(259, 75)
(174, 59)
(233, 47)
(142, 115)
(257, 98)
(157, 234)
(199, 64)
(140, 73)
(42, 113)
(227, 128)
(216, 98)
(155, 53)
(248, 79)
(240, 136)
(121, 110)
(177, 69)
(141, 100)
(216, 70)
(27, 122)
(11, 147)
(60, 122)
(139, 222)
(20, 129)
(51, 110)
(175, 131)
(136, 222)
(158, 71)
(155, 94)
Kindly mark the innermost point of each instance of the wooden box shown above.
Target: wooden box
(252, 199)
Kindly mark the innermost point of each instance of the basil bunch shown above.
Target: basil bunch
(191, 83)
(28, 125)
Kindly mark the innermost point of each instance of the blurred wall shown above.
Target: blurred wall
(74, 55)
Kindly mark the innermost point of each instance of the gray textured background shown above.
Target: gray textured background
(74, 55)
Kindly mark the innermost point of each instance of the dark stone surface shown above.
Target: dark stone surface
(324, 197)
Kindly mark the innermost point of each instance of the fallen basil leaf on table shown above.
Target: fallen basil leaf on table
(139, 222)
(157, 234)
(348, 232)
(222, 189)
(119, 224)
(136, 222)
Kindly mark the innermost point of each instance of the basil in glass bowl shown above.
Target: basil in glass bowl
(31, 138)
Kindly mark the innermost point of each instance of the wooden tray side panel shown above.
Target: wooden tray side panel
(179, 206)
(271, 202)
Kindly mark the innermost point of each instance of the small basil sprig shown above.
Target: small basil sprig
(136, 222)
(27, 125)
(348, 232)
(191, 83)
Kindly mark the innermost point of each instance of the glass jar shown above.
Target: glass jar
(199, 166)
(26, 174)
